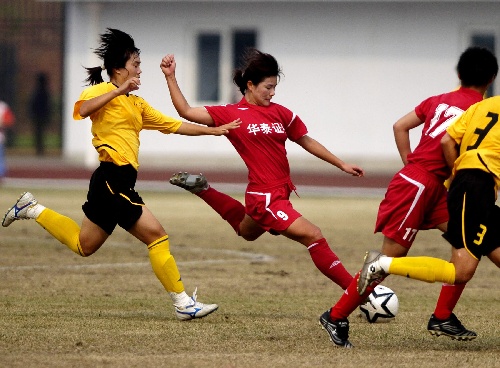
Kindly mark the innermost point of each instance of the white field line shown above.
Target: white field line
(240, 257)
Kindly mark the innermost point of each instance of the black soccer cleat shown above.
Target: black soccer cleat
(338, 330)
(451, 327)
(192, 183)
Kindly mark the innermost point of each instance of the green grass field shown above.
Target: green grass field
(109, 310)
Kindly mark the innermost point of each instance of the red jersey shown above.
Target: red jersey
(437, 112)
(260, 140)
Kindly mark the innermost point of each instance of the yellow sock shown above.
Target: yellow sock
(62, 228)
(423, 268)
(164, 265)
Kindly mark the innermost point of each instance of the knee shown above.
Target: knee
(461, 279)
(86, 251)
(495, 257)
(463, 276)
(249, 237)
(316, 233)
(87, 248)
(90, 240)
(250, 233)
(313, 235)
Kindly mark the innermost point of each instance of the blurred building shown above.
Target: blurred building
(351, 68)
(31, 41)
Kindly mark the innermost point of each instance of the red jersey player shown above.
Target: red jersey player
(260, 141)
(416, 196)
(7, 119)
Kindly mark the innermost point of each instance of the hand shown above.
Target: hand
(168, 65)
(129, 85)
(224, 129)
(354, 170)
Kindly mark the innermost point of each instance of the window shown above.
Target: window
(242, 40)
(208, 67)
(486, 40)
(216, 58)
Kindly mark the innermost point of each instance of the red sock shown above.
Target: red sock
(329, 264)
(227, 207)
(448, 299)
(350, 300)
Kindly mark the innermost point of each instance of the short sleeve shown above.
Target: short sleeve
(457, 129)
(153, 119)
(297, 129)
(87, 94)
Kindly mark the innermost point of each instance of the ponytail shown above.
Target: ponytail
(239, 81)
(94, 76)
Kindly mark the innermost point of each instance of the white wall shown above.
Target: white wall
(351, 69)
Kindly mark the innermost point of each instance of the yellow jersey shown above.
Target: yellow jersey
(477, 132)
(116, 126)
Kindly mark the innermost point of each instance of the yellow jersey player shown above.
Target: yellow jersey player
(117, 118)
(415, 199)
(473, 229)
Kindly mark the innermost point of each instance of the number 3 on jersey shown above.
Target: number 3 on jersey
(481, 133)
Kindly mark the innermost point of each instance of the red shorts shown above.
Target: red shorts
(415, 200)
(271, 207)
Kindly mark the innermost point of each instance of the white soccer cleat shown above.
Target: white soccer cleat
(372, 271)
(194, 309)
(25, 208)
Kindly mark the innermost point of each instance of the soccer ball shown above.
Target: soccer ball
(381, 305)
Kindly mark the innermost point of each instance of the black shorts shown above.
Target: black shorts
(474, 218)
(111, 199)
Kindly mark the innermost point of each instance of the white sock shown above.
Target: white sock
(34, 211)
(180, 299)
(385, 262)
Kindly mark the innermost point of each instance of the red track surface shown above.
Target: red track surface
(61, 170)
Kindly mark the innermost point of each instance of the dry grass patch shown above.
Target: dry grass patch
(108, 310)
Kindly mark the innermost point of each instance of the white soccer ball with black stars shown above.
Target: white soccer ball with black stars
(382, 305)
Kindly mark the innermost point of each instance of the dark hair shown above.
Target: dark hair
(477, 66)
(115, 49)
(256, 67)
